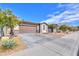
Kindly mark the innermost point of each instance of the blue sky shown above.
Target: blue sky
(46, 12)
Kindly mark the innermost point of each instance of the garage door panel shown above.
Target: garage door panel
(28, 29)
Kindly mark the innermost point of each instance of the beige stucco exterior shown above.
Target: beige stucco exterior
(43, 28)
(32, 27)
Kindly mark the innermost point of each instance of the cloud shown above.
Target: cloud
(70, 14)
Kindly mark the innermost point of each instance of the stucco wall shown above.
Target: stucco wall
(41, 28)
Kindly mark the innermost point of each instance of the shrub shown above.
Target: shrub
(8, 43)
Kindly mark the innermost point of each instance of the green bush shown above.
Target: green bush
(8, 43)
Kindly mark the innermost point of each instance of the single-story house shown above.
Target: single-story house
(30, 27)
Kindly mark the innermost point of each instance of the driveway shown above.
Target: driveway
(44, 45)
(32, 39)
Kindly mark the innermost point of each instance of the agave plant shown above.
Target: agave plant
(8, 43)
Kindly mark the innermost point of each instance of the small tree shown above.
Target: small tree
(13, 21)
(10, 20)
(2, 21)
(64, 28)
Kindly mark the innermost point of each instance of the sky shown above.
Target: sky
(45, 12)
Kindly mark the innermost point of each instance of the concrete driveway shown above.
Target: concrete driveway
(44, 45)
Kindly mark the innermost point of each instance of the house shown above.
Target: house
(30, 27)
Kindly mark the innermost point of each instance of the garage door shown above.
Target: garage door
(24, 29)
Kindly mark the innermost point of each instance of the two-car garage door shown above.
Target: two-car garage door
(27, 29)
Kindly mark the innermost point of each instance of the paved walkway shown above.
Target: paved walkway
(43, 45)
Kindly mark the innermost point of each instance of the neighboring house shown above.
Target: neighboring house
(30, 27)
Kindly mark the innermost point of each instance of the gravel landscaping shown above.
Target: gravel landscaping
(19, 46)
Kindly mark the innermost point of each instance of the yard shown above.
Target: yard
(19, 46)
